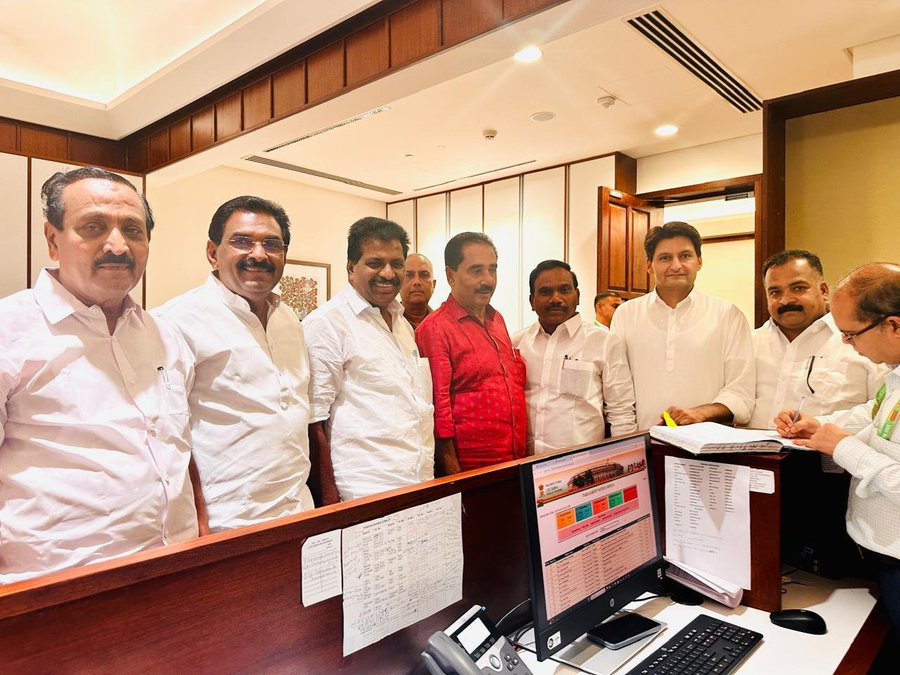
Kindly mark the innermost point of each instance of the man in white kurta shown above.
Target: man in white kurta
(250, 398)
(577, 375)
(371, 392)
(800, 355)
(690, 354)
(94, 429)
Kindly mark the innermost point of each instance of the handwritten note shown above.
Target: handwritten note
(400, 569)
(320, 565)
(708, 517)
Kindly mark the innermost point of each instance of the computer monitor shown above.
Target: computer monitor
(593, 536)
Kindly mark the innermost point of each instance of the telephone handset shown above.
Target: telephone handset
(472, 646)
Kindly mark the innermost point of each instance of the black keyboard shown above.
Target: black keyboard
(705, 645)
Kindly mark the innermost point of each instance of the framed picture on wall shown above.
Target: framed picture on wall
(305, 285)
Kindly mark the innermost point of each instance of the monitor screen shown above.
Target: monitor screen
(593, 536)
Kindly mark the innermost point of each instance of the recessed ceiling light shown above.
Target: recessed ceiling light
(544, 116)
(666, 130)
(528, 55)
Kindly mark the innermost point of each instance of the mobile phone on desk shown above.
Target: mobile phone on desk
(622, 630)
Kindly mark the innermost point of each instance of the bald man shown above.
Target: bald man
(418, 285)
(866, 440)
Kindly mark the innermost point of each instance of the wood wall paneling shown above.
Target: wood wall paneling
(96, 151)
(228, 117)
(464, 19)
(626, 173)
(415, 32)
(367, 53)
(257, 103)
(180, 139)
(137, 154)
(513, 9)
(203, 129)
(159, 148)
(8, 132)
(289, 89)
(325, 72)
(41, 142)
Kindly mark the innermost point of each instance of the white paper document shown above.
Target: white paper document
(400, 569)
(708, 517)
(320, 567)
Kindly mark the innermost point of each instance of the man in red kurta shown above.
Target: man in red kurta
(479, 379)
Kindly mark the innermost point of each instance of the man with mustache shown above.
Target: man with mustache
(578, 376)
(416, 289)
(479, 379)
(250, 397)
(95, 439)
(799, 352)
(690, 354)
(372, 421)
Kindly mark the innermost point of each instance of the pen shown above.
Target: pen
(165, 377)
(797, 413)
(667, 418)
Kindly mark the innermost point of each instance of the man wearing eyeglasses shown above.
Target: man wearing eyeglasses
(249, 402)
(800, 356)
(866, 441)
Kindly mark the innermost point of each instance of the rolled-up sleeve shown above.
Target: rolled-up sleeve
(433, 345)
(739, 390)
(326, 366)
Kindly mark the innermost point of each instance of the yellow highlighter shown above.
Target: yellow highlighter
(667, 418)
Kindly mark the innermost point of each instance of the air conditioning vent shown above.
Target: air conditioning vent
(663, 32)
(474, 175)
(319, 174)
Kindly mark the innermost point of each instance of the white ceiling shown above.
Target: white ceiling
(433, 132)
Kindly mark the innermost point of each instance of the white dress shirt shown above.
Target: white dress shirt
(572, 376)
(94, 433)
(699, 352)
(873, 462)
(816, 365)
(370, 384)
(249, 405)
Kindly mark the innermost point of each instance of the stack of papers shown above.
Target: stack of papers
(720, 590)
(711, 437)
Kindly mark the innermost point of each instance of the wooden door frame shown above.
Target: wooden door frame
(722, 188)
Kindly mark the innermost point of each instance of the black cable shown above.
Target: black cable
(506, 616)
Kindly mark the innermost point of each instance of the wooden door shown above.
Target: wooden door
(622, 223)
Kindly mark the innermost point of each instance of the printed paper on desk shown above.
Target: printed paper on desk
(401, 569)
(708, 517)
(320, 567)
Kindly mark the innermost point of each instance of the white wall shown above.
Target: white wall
(319, 222)
(13, 223)
(700, 164)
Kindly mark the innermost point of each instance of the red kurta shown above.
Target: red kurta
(479, 384)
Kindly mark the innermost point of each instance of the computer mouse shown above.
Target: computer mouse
(804, 620)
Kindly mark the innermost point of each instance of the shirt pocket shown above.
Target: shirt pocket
(577, 378)
(174, 394)
(827, 379)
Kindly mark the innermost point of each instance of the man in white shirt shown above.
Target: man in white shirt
(94, 432)
(250, 398)
(690, 354)
(372, 420)
(577, 375)
(866, 441)
(605, 305)
(799, 352)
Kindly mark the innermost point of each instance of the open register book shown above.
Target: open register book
(711, 437)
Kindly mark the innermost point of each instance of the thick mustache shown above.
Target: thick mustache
(790, 308)
(112, 259)
(261, 266)
(485, 289)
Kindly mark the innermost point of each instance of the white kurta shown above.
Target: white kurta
(249, 405)
(369, 382)
(94, 433)
(816, 366)
(699, 352)
(576, 379)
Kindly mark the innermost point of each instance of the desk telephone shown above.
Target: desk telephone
(472, 646)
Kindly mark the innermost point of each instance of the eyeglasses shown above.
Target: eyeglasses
(246, 245)
(850, 337)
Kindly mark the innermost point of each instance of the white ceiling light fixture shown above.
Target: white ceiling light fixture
(543, 116)
(528, 54)
(666, 130)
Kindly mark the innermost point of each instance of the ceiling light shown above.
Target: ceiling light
(528, 55)
(666, 130)
(544, 116)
